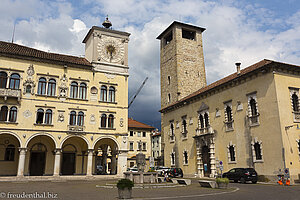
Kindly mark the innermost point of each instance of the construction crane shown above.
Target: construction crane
(138, 91)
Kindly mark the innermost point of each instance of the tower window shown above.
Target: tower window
(169, 98)
(188, 34)
(168, 38)
(169, 80)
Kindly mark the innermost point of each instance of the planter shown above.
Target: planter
(222, 185)
(125, 193)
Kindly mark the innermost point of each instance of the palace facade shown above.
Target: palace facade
(247, 119)
(65, 115)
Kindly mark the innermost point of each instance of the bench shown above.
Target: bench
(207, 183)
(182, 181)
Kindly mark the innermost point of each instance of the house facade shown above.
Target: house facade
(247, 119)
(65, 115)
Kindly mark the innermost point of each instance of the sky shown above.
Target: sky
(245, 31)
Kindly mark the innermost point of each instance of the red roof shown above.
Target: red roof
(11, 49)
(227, 79)
(135, 124)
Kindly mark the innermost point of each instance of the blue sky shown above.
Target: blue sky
(245, 30)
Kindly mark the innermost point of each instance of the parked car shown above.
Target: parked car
(242, 175)
(161, 170)
(175, 172)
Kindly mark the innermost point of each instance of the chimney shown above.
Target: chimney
(238, 68)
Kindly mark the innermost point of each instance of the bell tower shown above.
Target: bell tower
(182, 69)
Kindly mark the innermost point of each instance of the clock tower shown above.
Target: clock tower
(107, 49)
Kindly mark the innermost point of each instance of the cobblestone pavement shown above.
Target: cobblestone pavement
(90, 190)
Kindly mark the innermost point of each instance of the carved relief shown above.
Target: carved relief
(29, 84)
(110, 76)
(61, 117)
(27, 114)
(121, 122)
(92, 119)
(63, 88)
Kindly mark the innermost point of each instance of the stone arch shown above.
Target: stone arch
(14, 134)
(41, 134)
(70, 136)
(105, 137)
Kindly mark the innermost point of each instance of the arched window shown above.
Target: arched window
(173, 158)
(74, 90)
(110, 121)
(201, 121)
(172, 129)
(9, 153)
(14, 82)
(103, 121)
(73, 118)
(51, 87)
(40, 116)
(82, 91)
(3, 79)
(48, 116)
(13, 114)
(257, 150)
(253, 107)
(80, 118)
(206, 120)
(103, 94)
(3, 113)
(295, 101)
(185, 158)
(42, 86)
(229, 113)
(111, 94)
(184, 126)
(232, 153)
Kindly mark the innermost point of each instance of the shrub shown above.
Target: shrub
(125, 183)
(222, 180)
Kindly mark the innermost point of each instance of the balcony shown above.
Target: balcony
(10, 93)
(75, 129)
(204, 131)
(229, 126)
(253, 120)
(184, 134)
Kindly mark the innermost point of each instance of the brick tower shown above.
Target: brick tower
(182, 69)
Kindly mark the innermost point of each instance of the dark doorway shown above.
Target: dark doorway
(37, 163)
(206, 160)
(68, 164)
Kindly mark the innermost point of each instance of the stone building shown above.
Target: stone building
(139, 140)
(247, 119)
(65, 115)
(156, 148)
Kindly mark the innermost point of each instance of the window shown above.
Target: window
(80, 118)
(103, 121)
(110, 121)
(185, 158)
(131, 133)
(295, 102)
(139, 134)
(144, 134)
(3, 79)
(206, 120)
(51, 87)
(103, 93)
(253, 107)
(13, 114)
(14, 82)
(28, 89)
(201, 120)
(130, 146)
(82, 91)
(184, 126)
(169, 98)
(144, 146)
(40, 116)
(9, 153)
(48, 116)
(252, 110)
(298, 144)
(168, 38)
(3, 113)
(231, 153)
(257, 149)
(172, 134)
(72, 118)
(111, 94)
(74, 90)
(188, 34)
(169, 80)
(228, 116)
(42, 86)
(172, 158)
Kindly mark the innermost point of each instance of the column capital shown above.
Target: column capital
(90, 151)
(57, 151)
(23, 149)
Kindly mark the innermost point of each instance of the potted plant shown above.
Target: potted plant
(222, 182)
(125, 188)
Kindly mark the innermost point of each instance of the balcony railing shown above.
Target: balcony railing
(204, 131)
(76, 129)
(8, 93)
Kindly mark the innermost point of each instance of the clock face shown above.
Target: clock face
(111, 50)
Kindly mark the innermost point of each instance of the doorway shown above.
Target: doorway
(206, 161)
(68, 163)
(37, 163)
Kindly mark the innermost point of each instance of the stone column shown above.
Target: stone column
(213, 169)
(89, 169)
(21, 164)
(114, 162)
(122, 162)
(104, 161)
(57, 162)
